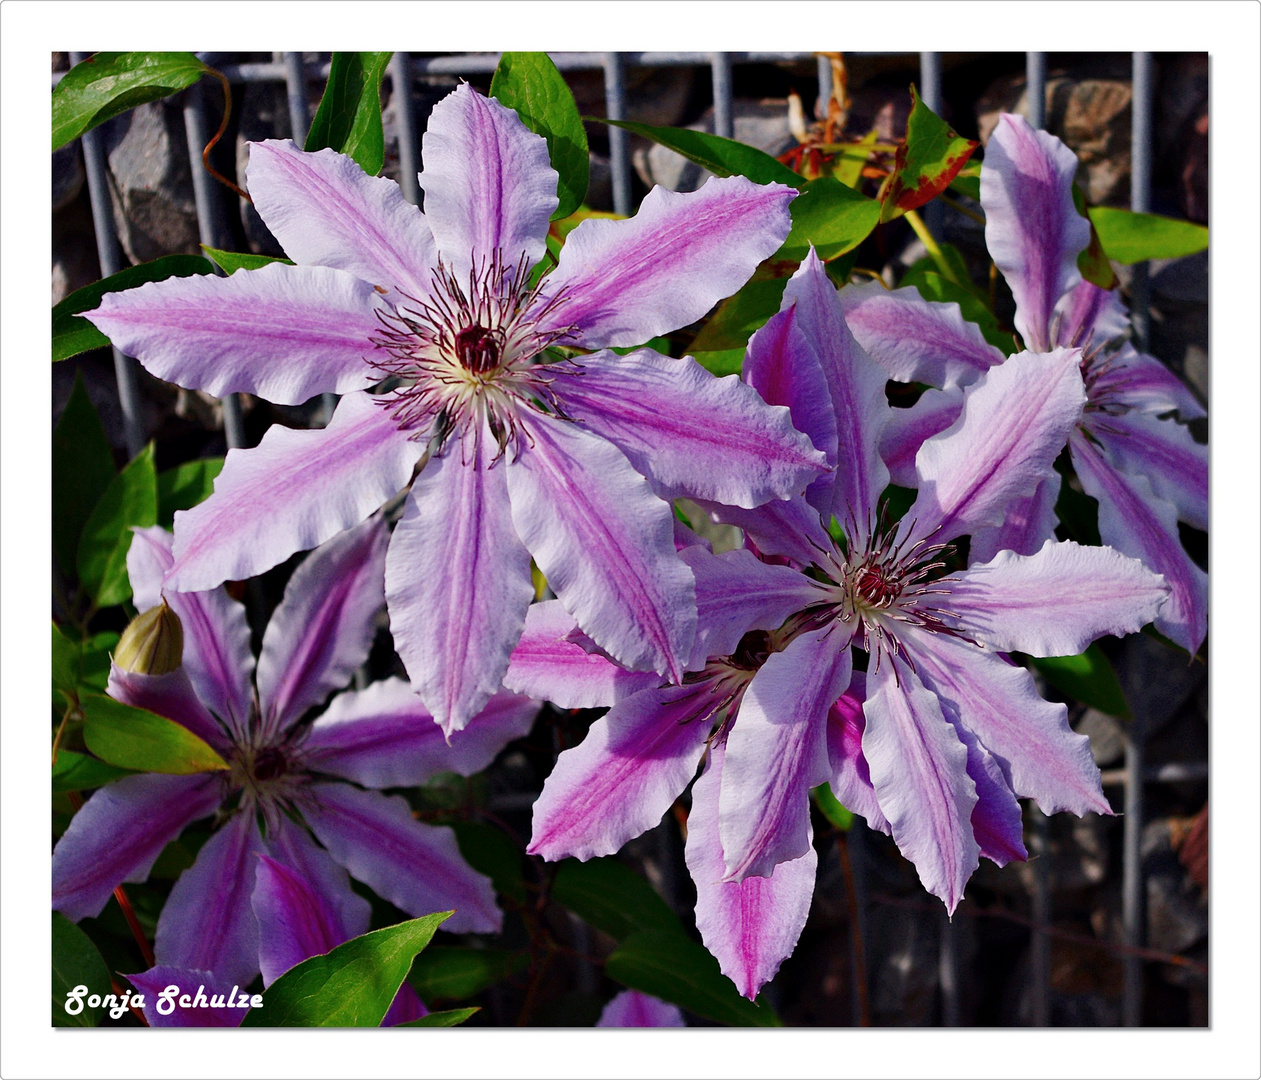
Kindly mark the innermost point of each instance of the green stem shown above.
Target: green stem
(935, 253)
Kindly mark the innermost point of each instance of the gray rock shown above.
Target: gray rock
(67, 175)
(1156, 680)
(1107, 739)
(1177, 912)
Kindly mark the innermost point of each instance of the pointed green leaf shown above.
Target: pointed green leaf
(76, 962)
(612, 898)
(720, 362)
(848, 168)
(968, 181)
(531, 84)
(677, 969)
(184, 486)
(927, 160)
(231, 261)
(94, 660)
(73, 335)
(444, 971)
(107, 84)
(1130, 238)
(82, 468)
(352, 986)
(442, 1019)
(833, 217)
(79, 772)
(131, 500)
(1092, 261)
(831, 808)
(731, 326)
(349, 116)
(137, 739)
(722, 157)
(65, 665)
(1088, 678)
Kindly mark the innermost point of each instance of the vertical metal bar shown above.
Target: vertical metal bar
(1040, 942)
(408, 158)
(109, 252)
(825, 87)
(619, 157)
(948, 972)
(930, 93)
(1143, 89)
(1132, 886)
(1035, 88)
(295, 90)
(724, 122)
(210, 228)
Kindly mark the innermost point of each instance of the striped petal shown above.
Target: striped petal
(1164, 452)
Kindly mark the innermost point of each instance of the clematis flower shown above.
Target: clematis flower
(568, 462)
(632, 1009)
(1128, 449)
(307, 784)
(940, 735)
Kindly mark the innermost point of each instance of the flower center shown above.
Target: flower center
(479, 350)
(752, 651)
(877, 586)
(269, 764)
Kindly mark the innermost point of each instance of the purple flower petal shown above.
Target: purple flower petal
(1028, 524)
(291, 844)
(489, 186)
(1137, 523)
(292, 492)
(858, 399)
(294, 922)
(1053, 603)
(120, 831)
(1142, 382)
(547, 664)
(997, 823)
(1164, 452)
(782, 530)
(217, 656)
(170, 695)
(606, 544)
(457, 580)
(416, 867)
(1014, 423)
(919, 770)
(1032, 229)
(285, 333)
(207, 922)
(1040, 755)
(326, 211)
(785, 369)
(916, 340)
(197, 987)
(631, 1009)
(777, 751)
(908, 429)
(625, 774)
(625, 282)
(690, 433)
(750, 926)
(1088, 317)
(851, 777)
(323, 629)
(736, 593)
(405, 1007)
(383, 736)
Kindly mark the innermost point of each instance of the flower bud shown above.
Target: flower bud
(152, 644)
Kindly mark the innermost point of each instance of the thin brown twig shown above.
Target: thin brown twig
(855, 932)
(117, 987)
(223, 126)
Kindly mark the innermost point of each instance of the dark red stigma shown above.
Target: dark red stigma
(877, 586)
(752, 651)
(269, 764)
(479, 350)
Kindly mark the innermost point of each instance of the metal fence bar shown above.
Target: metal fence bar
(930, 94)
(724, 121)
(1040, 941)
(824, 66)
(1035, 88)
(619, 156)
(295, 89)
(109, 252)
(1143, 89)
(408, 158)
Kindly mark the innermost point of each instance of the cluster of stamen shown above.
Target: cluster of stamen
(467, 353)
(723, 680)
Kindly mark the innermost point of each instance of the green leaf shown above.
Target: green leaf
(927, 160)
(131, 500)
(65, 665)
(968, 181)
(1130, 238)
(184, 486)
(831, 808)
(531, 84)
(349, 116)
(677, 969)
(79, 772)
(442, 1019)
(739, 315)
(1087, 678)
(107, 84)
(95, 658)
(491, 852)
(833, 217)
(722, 157)
(82, 468)
(352, 986)
(1093, 262)
(448, 972)
(613, 898)
(134, 738)
(73, 335)
(232, 261)
(721, 362)
(849, 166)
(76, 962)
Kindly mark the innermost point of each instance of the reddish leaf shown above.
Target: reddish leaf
(927, 160)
